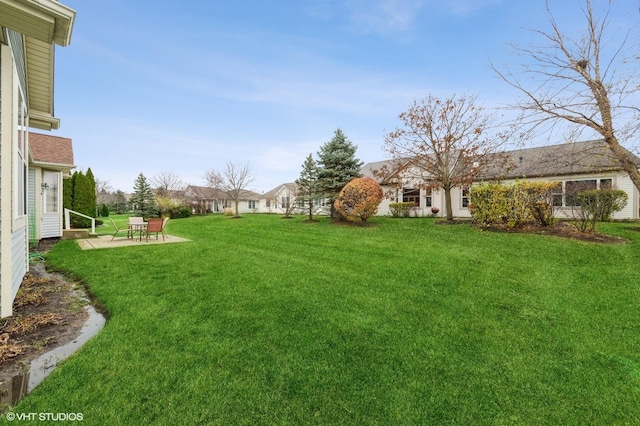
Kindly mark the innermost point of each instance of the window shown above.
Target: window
(20, 165)
(268, 205)
(411, 195)
(465, 198)
(572, 187)
(606, 184)
(50, 192)
(567, 197)
(320, 202)
(557, 195)
(252, 204)
(427, 197)
(285, 202)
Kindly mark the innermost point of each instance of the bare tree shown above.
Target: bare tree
(104, 192)
(234, 181)
(166, 182)
(581, 82)
(443, 144)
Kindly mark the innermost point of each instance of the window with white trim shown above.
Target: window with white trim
(20, 164)
(50, 192)
(465, 198)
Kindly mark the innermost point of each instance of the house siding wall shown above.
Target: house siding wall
(19, 266)
(620, 181)
(32, 211)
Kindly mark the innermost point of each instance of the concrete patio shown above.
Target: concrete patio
(105, 241)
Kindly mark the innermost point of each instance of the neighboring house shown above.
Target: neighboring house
(279, 199)
(204, 200)
(284, 195)
(50, 160)
(574, 166)
(29, 30)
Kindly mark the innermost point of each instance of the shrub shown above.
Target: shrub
(359, 199)
(513, 205)
(598, 205)
(401, 209)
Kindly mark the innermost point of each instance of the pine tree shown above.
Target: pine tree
(82, 198)
(121, 202)
(308, 183)
(337, 166)
(92, 195)
(142, 199)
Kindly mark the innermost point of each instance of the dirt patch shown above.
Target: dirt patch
(562, 230)
(48, 312)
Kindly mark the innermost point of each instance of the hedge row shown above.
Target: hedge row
(513, 205)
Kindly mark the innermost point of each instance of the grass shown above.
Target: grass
(267, 321)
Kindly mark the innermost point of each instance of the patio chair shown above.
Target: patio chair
(119, 230)
(155, 225)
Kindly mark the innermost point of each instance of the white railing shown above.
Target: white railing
(67, 222)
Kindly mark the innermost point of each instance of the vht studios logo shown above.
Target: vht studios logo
(54, 417)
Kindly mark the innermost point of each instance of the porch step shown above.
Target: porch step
(77, 234)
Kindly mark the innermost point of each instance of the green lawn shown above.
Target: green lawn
(262, 320)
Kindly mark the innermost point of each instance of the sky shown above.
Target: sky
(163, 86)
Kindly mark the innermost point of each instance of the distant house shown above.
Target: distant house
(50, 160)
(573, 166)
(204, 200)
(279, 199)
(29, 30)
(285, 196)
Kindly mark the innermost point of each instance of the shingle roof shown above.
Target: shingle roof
(292, 186)
(544, 161)
(557, 160)
(51, 149)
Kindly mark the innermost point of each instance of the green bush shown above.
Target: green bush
(513, 205)
(401, 209)
(597, 205)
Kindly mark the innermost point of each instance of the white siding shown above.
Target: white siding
(20, 257)
(620, 181)
(32, 211)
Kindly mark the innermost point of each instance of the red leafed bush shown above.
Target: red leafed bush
(359, 199)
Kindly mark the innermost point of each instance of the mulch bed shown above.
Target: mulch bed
(48, 312)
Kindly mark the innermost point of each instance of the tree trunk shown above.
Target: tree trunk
(627, 163)
(447, 202)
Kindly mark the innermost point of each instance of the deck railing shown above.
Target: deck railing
(67, 222)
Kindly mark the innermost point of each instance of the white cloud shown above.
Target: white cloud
(384, 16)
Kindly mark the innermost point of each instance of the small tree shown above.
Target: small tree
(234, 182)
(359, 199)
(120, 201)
(337, 166)
(443, 144)
(308, 184)
(289, 204)
(142, 199)
(166, 182)
(598, 205)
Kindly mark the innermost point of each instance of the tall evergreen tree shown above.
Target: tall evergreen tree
(93, 194)
(142, 199)
(120, 202)
(82, 198)
(308, 183)
(337, 166)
